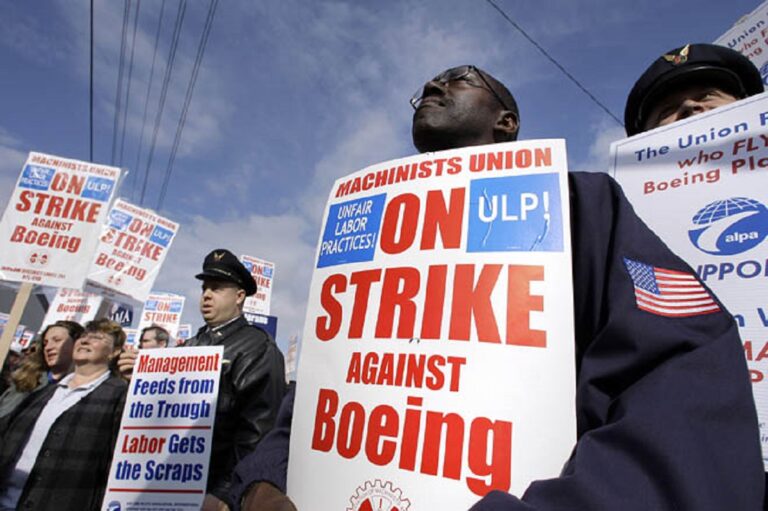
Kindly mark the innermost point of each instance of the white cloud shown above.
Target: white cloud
(604, 133)
(276, 238)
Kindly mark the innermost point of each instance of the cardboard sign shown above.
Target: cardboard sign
(750, 38)
(26, 339)
(3, 321)
(51, 225)
(163, 449)
(183, 333)
(266, 323)
(131, 337)
(438, 355)
(264, 274)
(702, 185)
(131, 250)
(162, 309)
(72, 305)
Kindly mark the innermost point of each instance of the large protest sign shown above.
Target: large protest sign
(131, 250)
(163, 449)
(72, 305)
(263, 273)
(702, 185)
(162, 309)
(51, 225)
(750, 38)
(438, 356)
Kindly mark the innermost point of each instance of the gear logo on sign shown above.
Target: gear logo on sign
(378, 496)
(730, 226)
(39, 258)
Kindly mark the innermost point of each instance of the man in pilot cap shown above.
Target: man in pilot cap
(252, 375)
(687, 81)
(664, 409)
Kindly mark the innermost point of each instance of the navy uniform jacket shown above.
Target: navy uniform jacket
(664, 406)
(251, 389)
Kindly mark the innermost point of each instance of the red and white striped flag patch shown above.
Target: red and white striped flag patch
(668, 292)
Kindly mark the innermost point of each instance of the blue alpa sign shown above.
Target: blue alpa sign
(515, 213)
(730, 226)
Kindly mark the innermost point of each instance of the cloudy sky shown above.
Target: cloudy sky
(293, 94)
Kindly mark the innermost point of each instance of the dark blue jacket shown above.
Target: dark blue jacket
(665, 415)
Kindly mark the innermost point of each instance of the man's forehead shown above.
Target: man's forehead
(209, 282)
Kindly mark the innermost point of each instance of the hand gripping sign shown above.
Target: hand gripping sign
(438, 358)
(163, 449)
(51, 225)
(702, 185)
(131, 250)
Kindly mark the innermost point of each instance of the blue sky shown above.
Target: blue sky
(294, 94)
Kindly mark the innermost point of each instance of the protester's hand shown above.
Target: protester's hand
(212, 503)
(265, 497)
(126, 361)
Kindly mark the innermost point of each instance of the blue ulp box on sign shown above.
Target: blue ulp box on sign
(515, 214)
(351, 231)
(98, 188)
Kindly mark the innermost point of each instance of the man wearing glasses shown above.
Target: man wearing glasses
(664, 406)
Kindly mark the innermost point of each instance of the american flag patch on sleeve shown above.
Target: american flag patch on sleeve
(668, 292)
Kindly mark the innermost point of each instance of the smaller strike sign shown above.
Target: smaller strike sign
(72, 305)
(50, 227)
(131, 250)
(263, 273)
(162, 309)
(163, 450)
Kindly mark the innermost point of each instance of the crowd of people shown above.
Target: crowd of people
(665, 421)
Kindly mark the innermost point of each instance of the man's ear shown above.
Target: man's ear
(507, 125)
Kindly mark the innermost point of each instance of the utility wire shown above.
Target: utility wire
(164, 91)
(90, 94)
(187, 99)
(146, 100)
(128, 87)
(555, 62)
(119, 92)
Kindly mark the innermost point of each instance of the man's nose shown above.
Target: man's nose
(691, 107)
(432, 88)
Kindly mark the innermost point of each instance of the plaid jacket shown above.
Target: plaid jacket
(71, 471)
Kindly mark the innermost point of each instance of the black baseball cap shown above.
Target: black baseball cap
(727, 68)
(221, 264)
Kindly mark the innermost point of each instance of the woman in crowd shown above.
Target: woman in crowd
(56, 447)
(43, 365)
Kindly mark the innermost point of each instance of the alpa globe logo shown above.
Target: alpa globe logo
(730, 226)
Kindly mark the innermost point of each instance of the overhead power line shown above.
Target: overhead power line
(90, 93)
(555, 62)
(187, 99)
(146, 100)
(119, 92)
(164, 92)
(128, 87)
